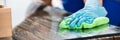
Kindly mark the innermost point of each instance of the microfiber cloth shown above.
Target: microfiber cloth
(98, 21)
(86, 31)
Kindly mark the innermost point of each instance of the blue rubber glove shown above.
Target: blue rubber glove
(91, 10)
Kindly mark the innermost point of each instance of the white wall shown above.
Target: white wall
(19, 8)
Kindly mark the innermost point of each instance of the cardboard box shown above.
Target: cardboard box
(5, 22)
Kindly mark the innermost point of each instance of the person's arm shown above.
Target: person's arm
(101, 1)
(48, 2)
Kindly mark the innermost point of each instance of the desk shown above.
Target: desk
(43, 25)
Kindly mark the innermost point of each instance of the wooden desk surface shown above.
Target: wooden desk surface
(42, 26)
(37, 26)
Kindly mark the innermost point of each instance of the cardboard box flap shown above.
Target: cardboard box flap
(5, 22)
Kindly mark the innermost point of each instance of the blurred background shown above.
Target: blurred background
(20, 8)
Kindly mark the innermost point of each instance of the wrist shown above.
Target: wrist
(100, 1)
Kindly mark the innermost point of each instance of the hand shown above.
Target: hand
(87, 14)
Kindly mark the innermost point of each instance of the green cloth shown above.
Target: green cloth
(86, 31)
(98, 21)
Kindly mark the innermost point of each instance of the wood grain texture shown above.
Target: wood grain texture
(37, 26)
(40, 25)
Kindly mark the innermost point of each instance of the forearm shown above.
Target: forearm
(101, 1)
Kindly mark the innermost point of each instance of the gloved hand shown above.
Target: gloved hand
(86, 16)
